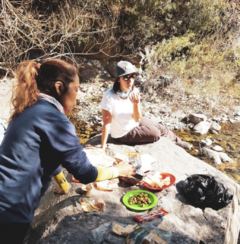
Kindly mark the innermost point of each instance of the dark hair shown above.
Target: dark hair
(33, 78)
(116, 85)
(53, 70)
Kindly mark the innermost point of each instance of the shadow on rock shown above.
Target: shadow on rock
(88, 228)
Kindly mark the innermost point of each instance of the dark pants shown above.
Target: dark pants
(148, 131)
(13, 233)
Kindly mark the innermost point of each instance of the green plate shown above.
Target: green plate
(135, 206)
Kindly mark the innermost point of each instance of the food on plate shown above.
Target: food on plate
(157, 180)
(141, 199)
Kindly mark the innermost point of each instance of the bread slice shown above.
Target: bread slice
(120, 230)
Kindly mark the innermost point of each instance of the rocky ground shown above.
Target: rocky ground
(171, 106)
(60, 219)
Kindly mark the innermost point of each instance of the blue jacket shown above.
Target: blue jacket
(35, 144)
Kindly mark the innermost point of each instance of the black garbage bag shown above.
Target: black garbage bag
(204, 191)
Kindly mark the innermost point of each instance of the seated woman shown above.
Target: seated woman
(39, 139)
(121, 110)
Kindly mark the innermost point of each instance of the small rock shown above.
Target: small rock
(176, 127)
(215, 126)
(165, 109)
(212, 155)
(224, 157)
(223, 225)
(197, 118)
(173, 120)
(202, 127)
(214, 132)
(207, 142)
(217, 148)
(237, 118)
(236, 109)
(217, 118)
(232, 147)
(232, 121)
(178, 114)
(190, 126)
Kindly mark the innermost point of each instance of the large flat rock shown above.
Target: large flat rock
(59, 219)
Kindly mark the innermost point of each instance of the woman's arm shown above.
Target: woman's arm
(135, 99)
(122, 170)
(107, 119)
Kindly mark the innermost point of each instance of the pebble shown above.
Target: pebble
(208, 142)
(217, 148)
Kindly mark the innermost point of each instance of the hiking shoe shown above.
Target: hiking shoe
(185, 145)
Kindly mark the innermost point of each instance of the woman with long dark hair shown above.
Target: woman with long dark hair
(39, 139)
(122, 113)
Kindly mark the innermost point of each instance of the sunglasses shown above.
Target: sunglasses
(128, 77)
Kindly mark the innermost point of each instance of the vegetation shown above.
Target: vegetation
(191, 40)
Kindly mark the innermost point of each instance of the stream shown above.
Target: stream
(228, 138)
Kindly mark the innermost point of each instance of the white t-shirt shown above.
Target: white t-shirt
(121, 110)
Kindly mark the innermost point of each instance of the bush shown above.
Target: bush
(186, 34)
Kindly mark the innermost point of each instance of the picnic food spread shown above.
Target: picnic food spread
(133, 200)
(136, 200)
(144, 176)
(156, 180)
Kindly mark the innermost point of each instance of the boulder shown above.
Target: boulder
(197, 118)
(111, 68)
(202, 127)
(59, 219)
(88, 74)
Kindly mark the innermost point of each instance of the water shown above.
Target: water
(228, 138)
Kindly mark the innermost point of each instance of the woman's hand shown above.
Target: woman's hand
(126, 170)
(134, 97)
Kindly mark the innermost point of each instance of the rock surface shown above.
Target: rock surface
(5, 96)
(59, 219)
